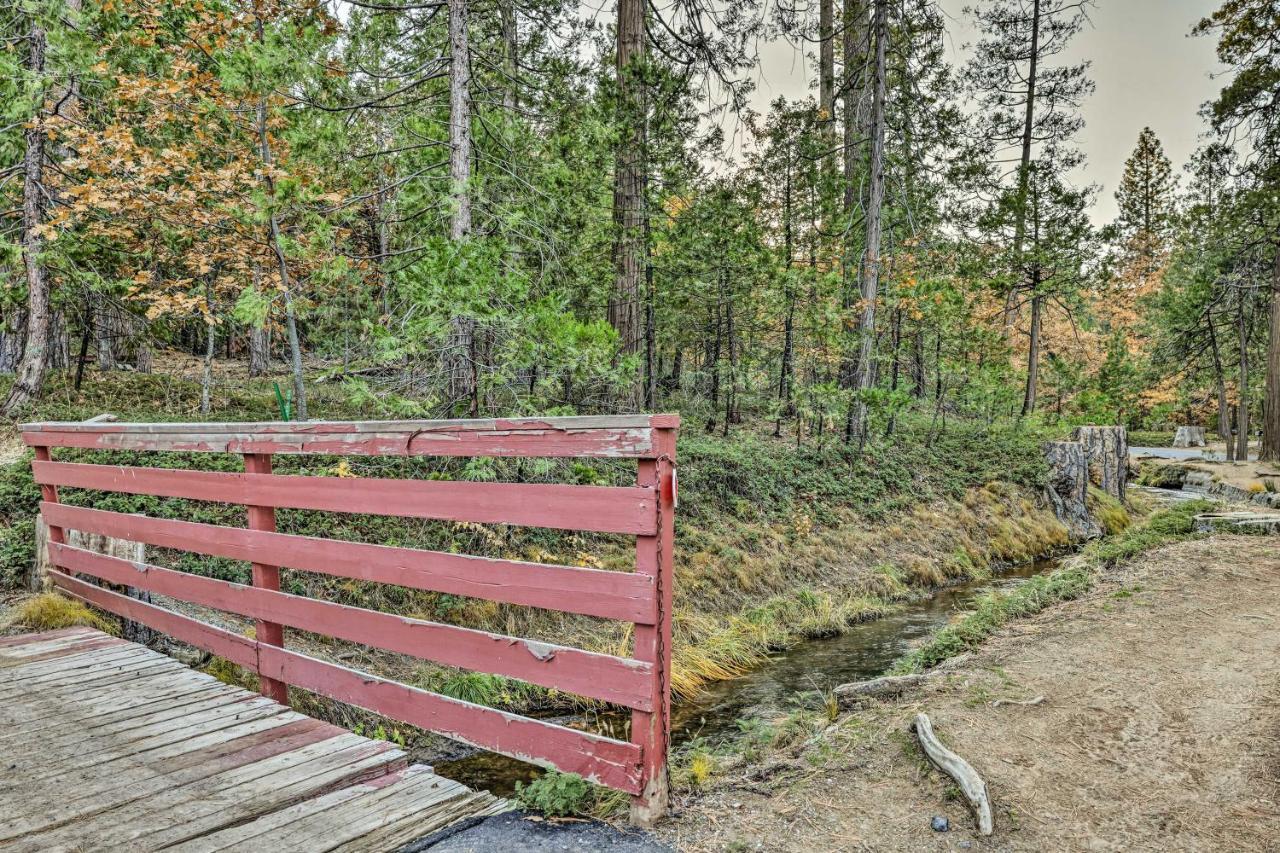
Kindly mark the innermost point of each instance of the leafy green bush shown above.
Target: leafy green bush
(555, 794)
(17, 552)
(756, 476)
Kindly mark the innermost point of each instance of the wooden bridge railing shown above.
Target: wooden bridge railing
(642, 597)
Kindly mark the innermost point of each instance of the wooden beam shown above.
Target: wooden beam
(591, 592)
(621, 681)
(611, 509)
(609, 437)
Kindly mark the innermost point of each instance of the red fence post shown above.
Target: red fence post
(651, 730)
(267, 577)
(50, 494)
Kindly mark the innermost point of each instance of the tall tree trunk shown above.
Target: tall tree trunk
(12, 340)
(896, 365)
(1220, 380)
(854, 56)
(459, 122)
(826, 62)
(106, 326)
(510, 56)
(870, 270)
(1033, 356)
(713, 368)
(59, 341)
(259, 350)
(380, 243)
(650, 298)
(34, 365)
(1024, 165)
(210, 344)
(86, 332)
(671, 383)
(731, 392)
(273, 233)
(1270, 451)
(854, 42)
(786, 370)
(937, 366)
(628, 187)
(917, 363)
(460, 348)
(1242, 418)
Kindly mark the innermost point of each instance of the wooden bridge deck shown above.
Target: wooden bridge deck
(108, 745)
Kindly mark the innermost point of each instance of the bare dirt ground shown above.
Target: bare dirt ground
(1159, 730)
(1242, 475)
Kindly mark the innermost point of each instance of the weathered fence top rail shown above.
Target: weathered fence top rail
(639, 681)
(613, 436)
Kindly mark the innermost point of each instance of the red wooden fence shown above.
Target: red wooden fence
(645, 510)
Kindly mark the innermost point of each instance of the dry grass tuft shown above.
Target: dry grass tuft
(50, 611)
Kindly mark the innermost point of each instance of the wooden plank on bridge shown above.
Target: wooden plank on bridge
(204, 765)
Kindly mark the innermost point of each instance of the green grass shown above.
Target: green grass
(1150, 438)
(1111, 514)
(995, 610)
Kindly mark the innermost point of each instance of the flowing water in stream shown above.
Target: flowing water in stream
(864, 651)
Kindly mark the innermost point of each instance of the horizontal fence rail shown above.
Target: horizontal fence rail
(645, 511)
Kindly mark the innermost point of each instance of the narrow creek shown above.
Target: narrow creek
(864, 651)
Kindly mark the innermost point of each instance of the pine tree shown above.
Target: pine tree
(1248, 107)
(1147, 203)
(1031, 113)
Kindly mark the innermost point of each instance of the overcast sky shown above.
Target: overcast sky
(1149, 71)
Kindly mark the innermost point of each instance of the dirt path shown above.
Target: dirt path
(1159, 730)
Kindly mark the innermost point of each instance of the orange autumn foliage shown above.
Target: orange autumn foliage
(165, 174)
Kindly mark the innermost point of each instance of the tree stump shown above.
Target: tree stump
(1107, 449)
(134, 552)
(1068, 488)
(1189, 436)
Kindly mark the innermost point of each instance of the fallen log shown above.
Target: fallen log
(877, 688)
(970, 783)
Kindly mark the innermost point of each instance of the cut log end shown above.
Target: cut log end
(970, 783)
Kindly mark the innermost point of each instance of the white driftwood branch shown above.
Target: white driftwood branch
(1036, 701)
(971, 784)
(876, 688)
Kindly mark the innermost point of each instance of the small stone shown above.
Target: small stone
(940, 823)
(965, 845)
